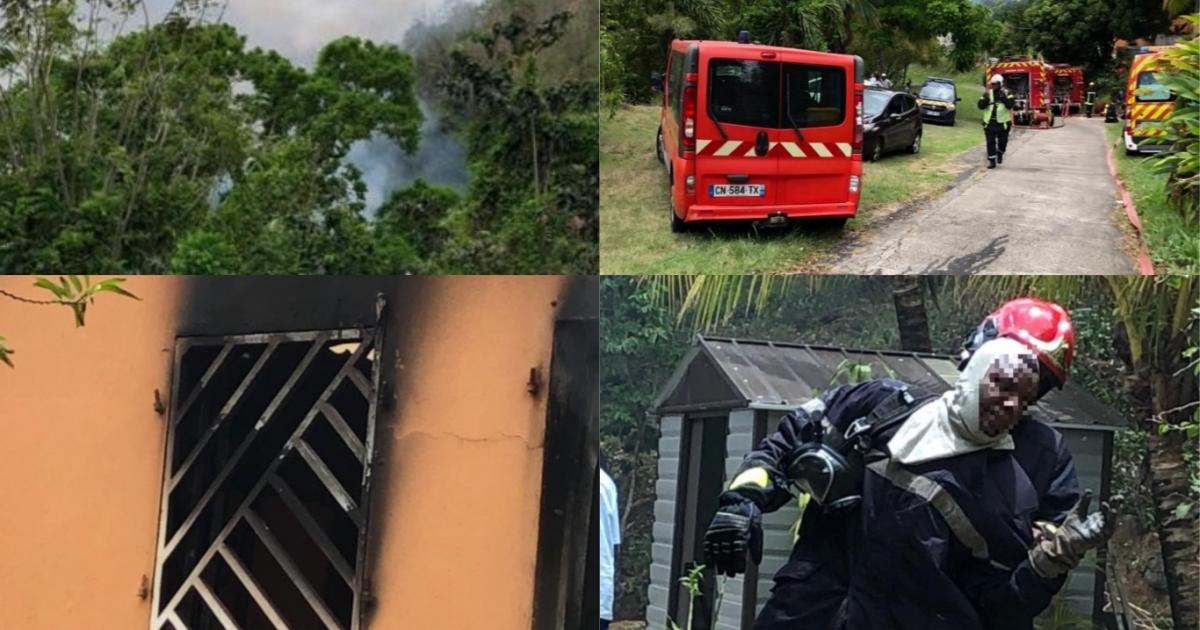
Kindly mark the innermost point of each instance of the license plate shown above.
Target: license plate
(737, 190)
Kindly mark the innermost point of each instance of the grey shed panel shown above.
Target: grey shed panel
(658, 592)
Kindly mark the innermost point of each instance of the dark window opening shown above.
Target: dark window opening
(263, 500)
(774, 95)
(816, 95)
(675, 85)
(744, 92)
(703, 472)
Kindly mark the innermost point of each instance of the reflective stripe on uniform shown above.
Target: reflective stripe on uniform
(939, 499)
(756, 476)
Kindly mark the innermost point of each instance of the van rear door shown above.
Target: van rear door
(818, 130)
(736, 131)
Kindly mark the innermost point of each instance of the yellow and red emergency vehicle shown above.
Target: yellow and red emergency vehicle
(1068, 88)
(1030, 81)
(1146, 101)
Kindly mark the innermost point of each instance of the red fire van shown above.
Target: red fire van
(761, 133)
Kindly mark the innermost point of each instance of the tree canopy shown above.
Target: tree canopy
(176, 148)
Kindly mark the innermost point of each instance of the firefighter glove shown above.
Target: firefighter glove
(736, 530)
(1062, 548)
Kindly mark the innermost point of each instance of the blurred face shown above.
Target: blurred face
(1006, 390)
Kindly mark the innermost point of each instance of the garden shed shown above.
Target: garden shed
(727, 394)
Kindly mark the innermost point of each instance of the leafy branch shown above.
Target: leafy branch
(75, 292)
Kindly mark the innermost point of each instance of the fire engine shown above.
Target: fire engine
(1068, 88)
(1030, 81)
(1146, 100)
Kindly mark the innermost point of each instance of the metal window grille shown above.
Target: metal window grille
(263, 515)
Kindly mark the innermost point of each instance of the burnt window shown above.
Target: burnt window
(263, 513)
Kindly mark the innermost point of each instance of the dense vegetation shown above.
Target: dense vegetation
(175, 148)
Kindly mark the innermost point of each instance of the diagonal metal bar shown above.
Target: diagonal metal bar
(252, 586)
(314, 530)
(361, 382)
(215, 606)
(235, 399)
(293, 572)
(366, 340)
(176, 621)
(343, 429)
(329, 480)
(267, 414)
(208, 374)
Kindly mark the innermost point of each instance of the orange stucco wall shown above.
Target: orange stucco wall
(455, 512)
(81, 456)
(460, 512)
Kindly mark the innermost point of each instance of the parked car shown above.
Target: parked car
(938, 99)
(760, 133)
(892, 121)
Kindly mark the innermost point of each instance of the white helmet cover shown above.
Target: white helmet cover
(997, 78)
(949, 425)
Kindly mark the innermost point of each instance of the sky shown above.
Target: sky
(298, 29)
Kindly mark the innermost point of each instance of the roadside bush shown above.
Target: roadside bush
(1177, 69)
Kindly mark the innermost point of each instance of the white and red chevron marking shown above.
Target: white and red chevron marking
(798, 150)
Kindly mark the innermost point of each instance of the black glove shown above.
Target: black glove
(735, 530)
(1062, 548)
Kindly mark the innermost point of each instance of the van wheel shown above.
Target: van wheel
(677, 224)
(658, 148)
(915, 147)
(877, 151)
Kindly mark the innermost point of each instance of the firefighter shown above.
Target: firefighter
(997, 105)
(1089, 99)
(947, 537)
(811, 587)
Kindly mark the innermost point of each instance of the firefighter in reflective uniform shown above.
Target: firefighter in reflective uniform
(811, 587)
(948, 541)
(997, 105)
(1089, 99)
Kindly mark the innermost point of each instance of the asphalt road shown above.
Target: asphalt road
(1049, 209)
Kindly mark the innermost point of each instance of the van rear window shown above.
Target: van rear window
(815, 97)
(744, 92)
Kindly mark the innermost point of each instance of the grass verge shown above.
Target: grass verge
(1174, 243)
(635, 237)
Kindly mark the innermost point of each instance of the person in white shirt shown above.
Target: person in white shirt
(610, 539)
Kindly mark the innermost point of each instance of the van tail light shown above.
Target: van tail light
(689, 184)
(854, 182)
(858, 122)
(689, 114)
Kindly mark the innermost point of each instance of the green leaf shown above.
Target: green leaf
(43, 283)
(1182, 510)
(76, 283)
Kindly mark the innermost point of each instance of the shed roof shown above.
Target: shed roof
(725, 373)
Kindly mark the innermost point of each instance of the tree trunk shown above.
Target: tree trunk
(1173, 388)
(911, 318)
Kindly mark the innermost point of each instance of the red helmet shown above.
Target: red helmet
(1043, 326)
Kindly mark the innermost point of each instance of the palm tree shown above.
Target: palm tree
(911, 319)
(1158, 317)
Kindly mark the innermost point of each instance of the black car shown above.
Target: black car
(937, 99)
(891, 121)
